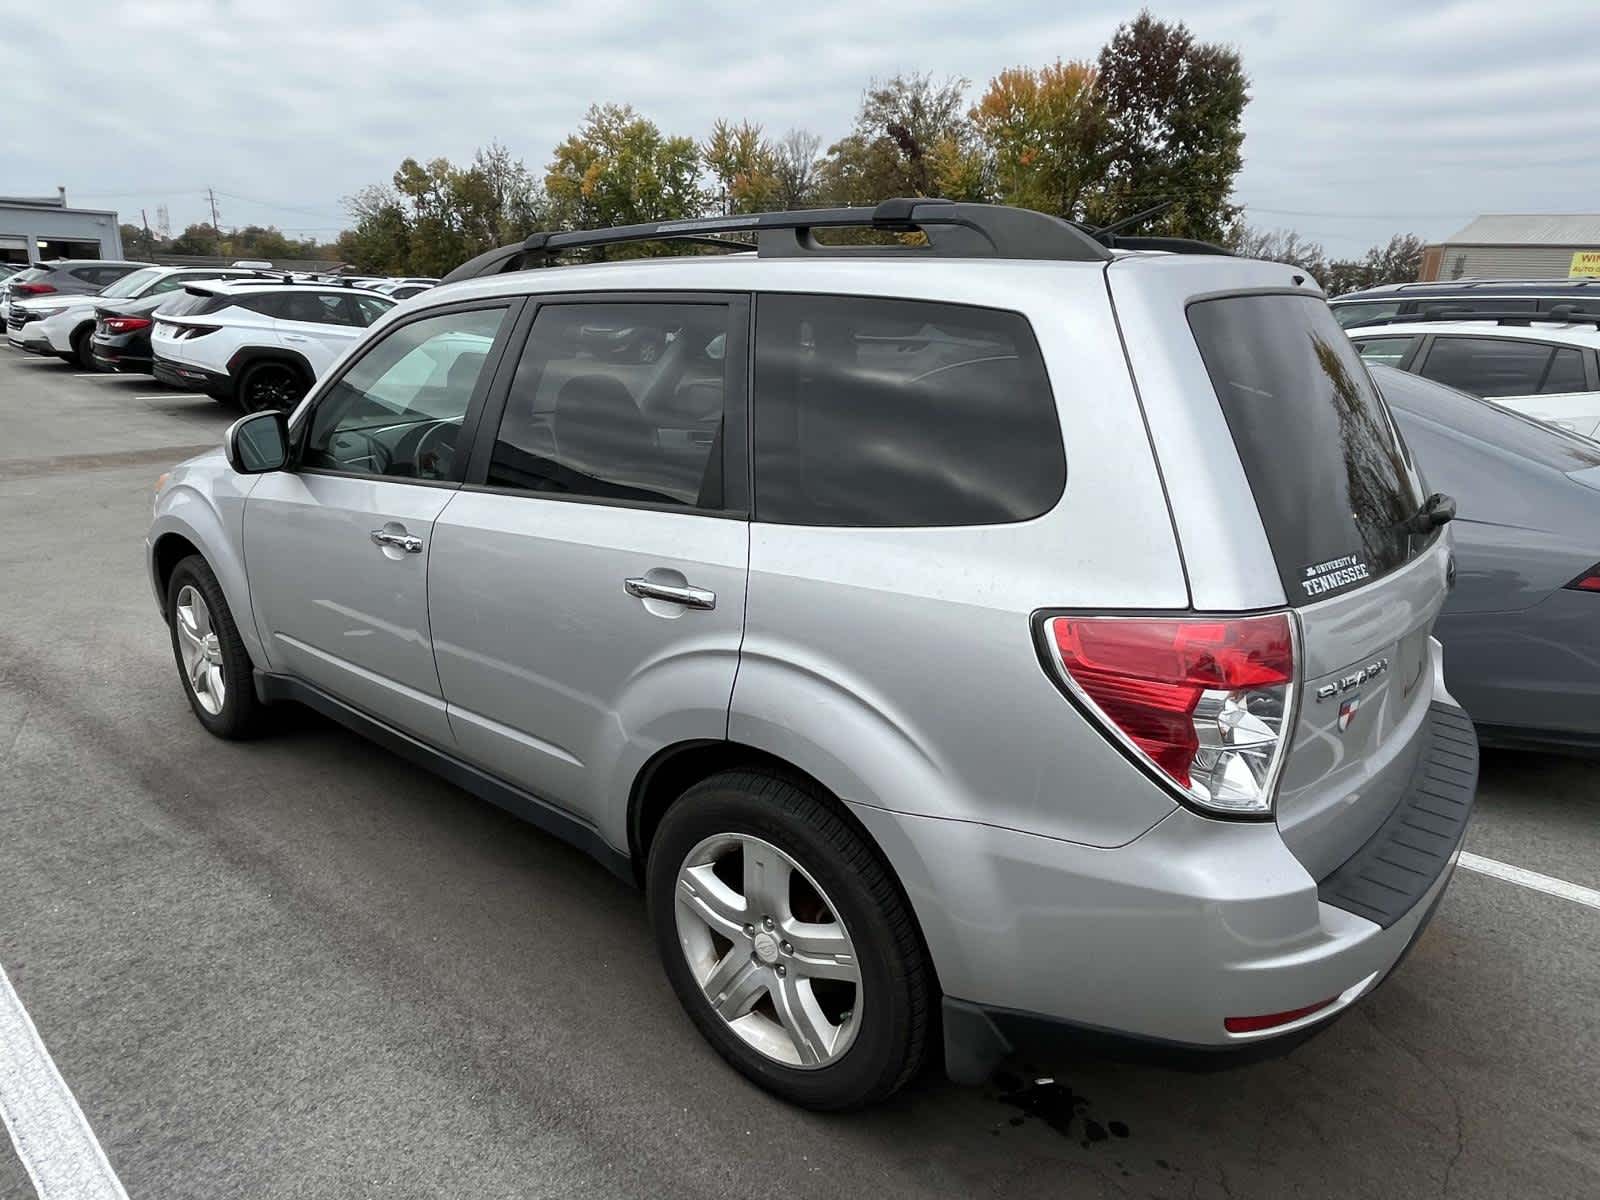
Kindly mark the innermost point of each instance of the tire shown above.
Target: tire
(223, 665)
(271, 384)
(83, 349)
(873, 1032)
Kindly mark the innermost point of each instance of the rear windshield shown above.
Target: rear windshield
(1332, 480)
(192, 304)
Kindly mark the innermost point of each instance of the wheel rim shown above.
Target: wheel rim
(200, 650)
(767, 947)
(270, 387)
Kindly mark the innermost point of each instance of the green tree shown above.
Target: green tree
(1172, 111)
(380, 242)
(1280, 245)
(496, 200)
(620, 169)
(1043, 130)
(911, 138)
(744, 166)
(196, 239)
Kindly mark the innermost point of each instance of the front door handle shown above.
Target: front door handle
(689, 597)
(409, 542)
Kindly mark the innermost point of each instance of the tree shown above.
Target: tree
(619, 169)
(1043, 130)
(496, 200)
(1172, 111)
(197, 239)
(795, 167)
(380, 242)
(1280, 245)
(744, 165)
(911, 138)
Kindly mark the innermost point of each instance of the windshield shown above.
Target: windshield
(132, 284)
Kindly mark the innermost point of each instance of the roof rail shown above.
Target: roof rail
(953, 230)
(1561, 314)
(1484, 281)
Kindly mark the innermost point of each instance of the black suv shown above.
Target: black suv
(1467, 296)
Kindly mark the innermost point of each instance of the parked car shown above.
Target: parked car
(9, 269)
(1467, 296)
(260, 345)
(64, 277)
(917, 693)
(402, 289)
(1521, 629)
(63, 325)
(1543, 369)
(121, 338)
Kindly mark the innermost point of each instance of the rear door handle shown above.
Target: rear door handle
(409, 542)
(689, 597)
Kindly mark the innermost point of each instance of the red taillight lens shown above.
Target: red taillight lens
(125, 324)
(1589, 581)
(33, 289)
(1205, 701)
(1273, 1020)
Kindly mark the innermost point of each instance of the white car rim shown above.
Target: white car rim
(200, 650)
(769, 951)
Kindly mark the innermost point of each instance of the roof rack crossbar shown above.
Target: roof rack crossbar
(953, 230)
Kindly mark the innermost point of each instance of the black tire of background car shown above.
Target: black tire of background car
(243, 715)
(897, 993)
(272, 384)
(83, 350)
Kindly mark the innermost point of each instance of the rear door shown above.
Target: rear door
(587, 585)
(1542, 379)
(319, 326)
(337, 548)
(1336, 491)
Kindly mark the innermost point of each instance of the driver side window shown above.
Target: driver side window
(398, 411)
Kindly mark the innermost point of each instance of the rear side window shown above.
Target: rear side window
(1331, 478)
(1354, 314)
(1391, 352)
(881, 413)
(1565, 373)
(1487, 366)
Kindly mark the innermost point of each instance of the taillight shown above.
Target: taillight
(1273, 1020)
(124, 324)
(1589, 581)
(33, 289)
(188, 333)
(1204, 701)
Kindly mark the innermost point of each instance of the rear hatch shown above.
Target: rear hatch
(1328, 477)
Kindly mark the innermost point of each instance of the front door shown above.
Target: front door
(337, 548)
(587, 583)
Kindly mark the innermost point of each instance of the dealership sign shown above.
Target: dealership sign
(1584, 262)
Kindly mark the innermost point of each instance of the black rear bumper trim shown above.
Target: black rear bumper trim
(1387, 877)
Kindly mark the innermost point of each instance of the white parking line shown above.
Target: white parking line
(1548, 884)
(97, 375)
(57, 1148)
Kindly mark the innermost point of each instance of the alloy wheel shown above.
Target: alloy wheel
(201, 650)
(769, 950)
(271, 387)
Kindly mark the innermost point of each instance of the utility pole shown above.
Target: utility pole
(149, 242)
(216, 226)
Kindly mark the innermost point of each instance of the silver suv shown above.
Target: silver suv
(984, 642)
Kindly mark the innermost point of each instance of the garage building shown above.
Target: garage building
(1518, 246)
(38, 228)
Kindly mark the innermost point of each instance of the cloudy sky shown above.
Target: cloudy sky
(1368, 117)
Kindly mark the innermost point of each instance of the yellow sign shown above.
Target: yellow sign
(1585, 262)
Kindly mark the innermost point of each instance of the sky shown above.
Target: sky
(1367, 117)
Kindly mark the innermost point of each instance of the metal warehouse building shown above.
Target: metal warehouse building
(1518, 246)
(36, 228)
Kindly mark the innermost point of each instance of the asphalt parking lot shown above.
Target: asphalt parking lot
(298, 967)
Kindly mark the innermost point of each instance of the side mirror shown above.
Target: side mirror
(258, 443)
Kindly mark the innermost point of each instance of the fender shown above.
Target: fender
(211, 518)
(247, 356)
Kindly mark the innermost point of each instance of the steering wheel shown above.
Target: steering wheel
(436, 451)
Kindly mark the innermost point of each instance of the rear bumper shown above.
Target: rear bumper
(1145, 950)
(193, 379)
